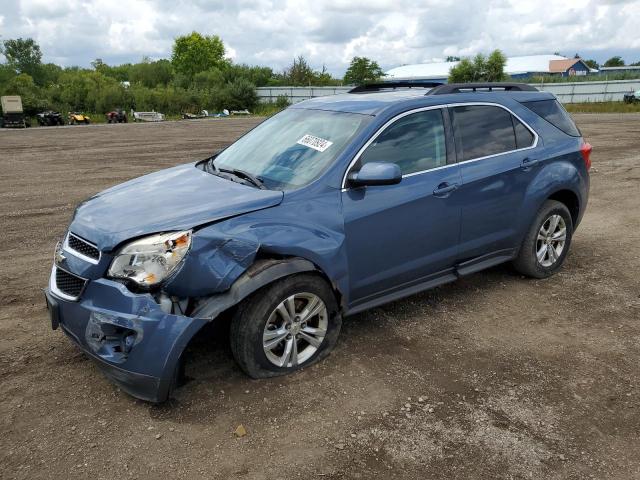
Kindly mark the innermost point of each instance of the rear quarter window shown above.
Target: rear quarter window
(555, 114)
(524, 137)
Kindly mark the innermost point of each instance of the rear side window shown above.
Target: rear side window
(555, 114)
(524, 137)
(483, 130)
(415, 142)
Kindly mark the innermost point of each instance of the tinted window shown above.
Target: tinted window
(483, 130)
(524, 137)
(415, 142)
(553, 113)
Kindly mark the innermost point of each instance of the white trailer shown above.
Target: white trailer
(12, 113)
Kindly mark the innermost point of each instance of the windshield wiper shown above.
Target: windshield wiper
(244, 175)
(210, 167)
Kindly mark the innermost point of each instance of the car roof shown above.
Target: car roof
(374, 103)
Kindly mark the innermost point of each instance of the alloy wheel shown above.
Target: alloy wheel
(295, 330)
(551, 240)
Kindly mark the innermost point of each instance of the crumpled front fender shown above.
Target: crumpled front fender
(312, 230)
(213, 264)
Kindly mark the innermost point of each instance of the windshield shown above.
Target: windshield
(292, 148)
(637, 93)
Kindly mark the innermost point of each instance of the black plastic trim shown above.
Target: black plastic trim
(376, 87)
(500, 86)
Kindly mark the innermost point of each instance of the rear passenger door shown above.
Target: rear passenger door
(493, 148)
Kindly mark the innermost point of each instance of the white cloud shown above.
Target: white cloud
(328, 32)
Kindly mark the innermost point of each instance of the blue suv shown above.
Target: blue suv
(334, 206)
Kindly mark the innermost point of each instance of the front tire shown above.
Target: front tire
(285, 326)
(545, 247)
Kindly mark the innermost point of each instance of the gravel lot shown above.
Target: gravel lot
(494, 376)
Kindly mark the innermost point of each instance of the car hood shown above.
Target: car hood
(177, 198)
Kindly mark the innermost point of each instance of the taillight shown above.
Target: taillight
(585, 150)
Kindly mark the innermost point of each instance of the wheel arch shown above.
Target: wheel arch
(262, 272)
(571, 200)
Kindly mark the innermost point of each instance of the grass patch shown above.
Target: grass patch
(268, 109)
(603, 107)
(581, 78)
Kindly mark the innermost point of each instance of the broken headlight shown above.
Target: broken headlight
(150, 260)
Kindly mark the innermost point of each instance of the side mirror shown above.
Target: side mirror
(376, 173)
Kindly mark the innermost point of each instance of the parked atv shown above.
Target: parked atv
(49, 118)
(632, 97)
(75, 118)
(117, 116)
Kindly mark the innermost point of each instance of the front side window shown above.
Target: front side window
(294, 147)
(415, 142)
(483, 130)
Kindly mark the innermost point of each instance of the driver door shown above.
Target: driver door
(401, 237)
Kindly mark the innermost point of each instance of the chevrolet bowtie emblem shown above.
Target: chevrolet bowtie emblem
(58, 256)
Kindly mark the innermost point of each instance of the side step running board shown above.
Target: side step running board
(486, 261)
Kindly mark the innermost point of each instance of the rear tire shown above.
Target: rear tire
(547, 242)
(279, 318)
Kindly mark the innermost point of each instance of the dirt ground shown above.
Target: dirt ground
(494, 376)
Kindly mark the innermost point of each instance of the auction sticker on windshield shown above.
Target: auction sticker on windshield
(317, 143)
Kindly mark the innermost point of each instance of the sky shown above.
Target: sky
(326, 32)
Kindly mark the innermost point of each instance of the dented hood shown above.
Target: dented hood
(174, 199)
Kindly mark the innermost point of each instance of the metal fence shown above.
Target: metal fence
(297, 94)
(576, 92)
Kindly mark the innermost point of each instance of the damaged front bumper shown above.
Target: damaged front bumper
(134, 342)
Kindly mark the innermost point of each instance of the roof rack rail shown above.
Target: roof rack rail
(504, 86)
(375, 87)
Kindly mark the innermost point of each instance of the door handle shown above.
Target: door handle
(528, 162)
(444, 189)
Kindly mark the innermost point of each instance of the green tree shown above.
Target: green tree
(32, 97)
(591, 64)
(451, 58)
(119, 72)
(23, 55)
(362, 70)
(494, 67)
(49, 73)
(464, 71)
(151, 74)
(241, 94)
(210, 80)
(259, 76)
(299, 73)
(323, 78)
(481, 68)
(616, 61)
(6, 74)
(99, 66)
(195, 53)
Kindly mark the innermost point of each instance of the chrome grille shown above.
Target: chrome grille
(69, 284)
(84, 248)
